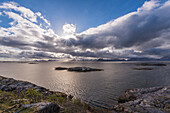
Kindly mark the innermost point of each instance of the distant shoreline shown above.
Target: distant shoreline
(84, 61)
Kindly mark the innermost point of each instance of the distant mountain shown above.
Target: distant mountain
(148, 59)
(110, 60)
(133, 59)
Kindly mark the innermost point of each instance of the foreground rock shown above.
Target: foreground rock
(50, 108)
(21, 96)
(149, 100)
(79, 69)
(44, 107)
(10, 84)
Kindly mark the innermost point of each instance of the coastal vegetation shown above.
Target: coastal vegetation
(24, 97)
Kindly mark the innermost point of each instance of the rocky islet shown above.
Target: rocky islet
(79, 69)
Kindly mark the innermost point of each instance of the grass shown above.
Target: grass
(10, 102)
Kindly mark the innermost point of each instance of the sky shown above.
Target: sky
(84, 29)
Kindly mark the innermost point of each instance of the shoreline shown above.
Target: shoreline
(155, 99)
(20, 88)
(145, 100)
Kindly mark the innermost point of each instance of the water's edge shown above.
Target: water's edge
(155, 99)
(12, 85)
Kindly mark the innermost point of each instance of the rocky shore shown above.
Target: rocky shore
(145, 100)
(24, 97)
(21, 96)
(10, 84)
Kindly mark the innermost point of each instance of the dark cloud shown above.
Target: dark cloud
(36, 55)
(158, 51)
(133, 29)
(7, 41)
(143, 33)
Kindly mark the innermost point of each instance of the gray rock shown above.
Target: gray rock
(10, 84)
(43, 107)
(50, 108)
(145, 100)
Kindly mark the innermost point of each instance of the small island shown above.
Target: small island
(32, 63)
(143, 68)
(151, 64)
(79, 69)
(147, 66)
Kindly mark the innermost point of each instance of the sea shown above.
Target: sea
(99, 88)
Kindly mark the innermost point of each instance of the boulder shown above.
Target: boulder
(50, 108)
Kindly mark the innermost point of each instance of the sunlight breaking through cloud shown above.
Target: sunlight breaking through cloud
(142, 33)
(69, 31)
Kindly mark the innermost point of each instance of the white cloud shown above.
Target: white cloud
(142, 33)
(25, 12)
(147, 23)
(149, 5)
(25, 33)
(45, 20)
(69, 28)
(69, 31)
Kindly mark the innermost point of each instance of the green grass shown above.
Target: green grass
(56, 98)
(9, 99)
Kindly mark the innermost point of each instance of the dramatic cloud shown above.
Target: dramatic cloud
(147, 28)
(143, 33)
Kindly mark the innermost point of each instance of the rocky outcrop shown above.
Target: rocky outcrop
(10, 84)
(145, 100)
(43, 107)
(50, 108)
(28, 98)
(79, 69)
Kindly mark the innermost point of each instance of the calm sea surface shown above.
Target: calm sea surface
(96, 88)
